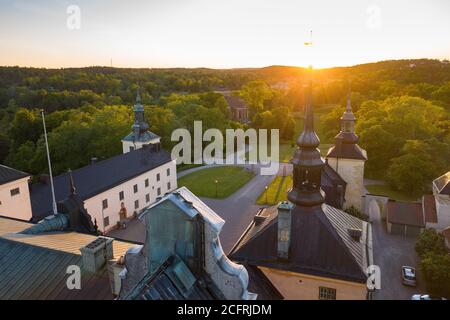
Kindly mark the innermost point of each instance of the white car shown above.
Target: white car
(409, 276)
(426, 297)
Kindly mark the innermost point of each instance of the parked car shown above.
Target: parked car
(409, 276)
(426, 297)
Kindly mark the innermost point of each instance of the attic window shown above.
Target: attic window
(355, 233)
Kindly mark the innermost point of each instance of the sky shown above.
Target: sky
(220, 34)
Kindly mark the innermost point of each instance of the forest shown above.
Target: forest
(402, 106)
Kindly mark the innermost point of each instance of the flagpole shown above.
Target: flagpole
(55, 212)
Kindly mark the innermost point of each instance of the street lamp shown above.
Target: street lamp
(216, 182)
(266, 187)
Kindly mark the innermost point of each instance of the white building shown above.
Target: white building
(437, 211)
(14, 194)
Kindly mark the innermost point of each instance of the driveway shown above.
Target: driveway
(391, 252)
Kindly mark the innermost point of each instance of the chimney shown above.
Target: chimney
(97, 253)
(94, 160)
(284, 229)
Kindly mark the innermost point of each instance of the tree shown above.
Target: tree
(435, 262)
(421, 161)
(357, 213)
(255, 93)
(4, 147)
(436, 271)
(26, 126)
(430, 241)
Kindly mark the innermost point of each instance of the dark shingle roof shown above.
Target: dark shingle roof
(330, 182)
(321, 244)
(96, 178)
(34, 273)
(258, 283)
(347, 151)
(8, 174)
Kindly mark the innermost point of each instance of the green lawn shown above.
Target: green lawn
(385, 190)
(276, 191)
(202, 182)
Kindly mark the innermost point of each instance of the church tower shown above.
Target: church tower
(347, 158)
(308, 163)
(140, 135)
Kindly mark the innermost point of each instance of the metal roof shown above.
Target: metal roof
(96, 178)
(173, 281)
(69, 242)
(8, 174)
(190, 204)
(36, 273)
(143, 137)
(321, 244)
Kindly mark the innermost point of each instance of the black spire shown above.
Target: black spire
(71, 183)
(307, 162)
(139, 126)
(348, 119)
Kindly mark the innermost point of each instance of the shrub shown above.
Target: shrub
(357, 213)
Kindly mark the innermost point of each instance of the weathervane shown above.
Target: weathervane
(309, 44)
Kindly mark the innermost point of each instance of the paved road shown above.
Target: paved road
(391, 252)
(238, 210)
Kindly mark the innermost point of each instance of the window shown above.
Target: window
(146, 183)
(131, 148)
(158, 177)
(168, 185)
(15, 192)
(121, 195)
(168, 172)
(105, 203)
(147, 197)
(327, 293)
(159, 191)
(135, 188)
(136, 204)
(106, 221)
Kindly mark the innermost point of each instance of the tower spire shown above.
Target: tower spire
(307, 161)
(71, 183)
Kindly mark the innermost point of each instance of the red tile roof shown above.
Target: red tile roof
(408, 213)
(429, 208)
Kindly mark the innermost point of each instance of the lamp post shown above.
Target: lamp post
(216, 182)
(266, 187)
